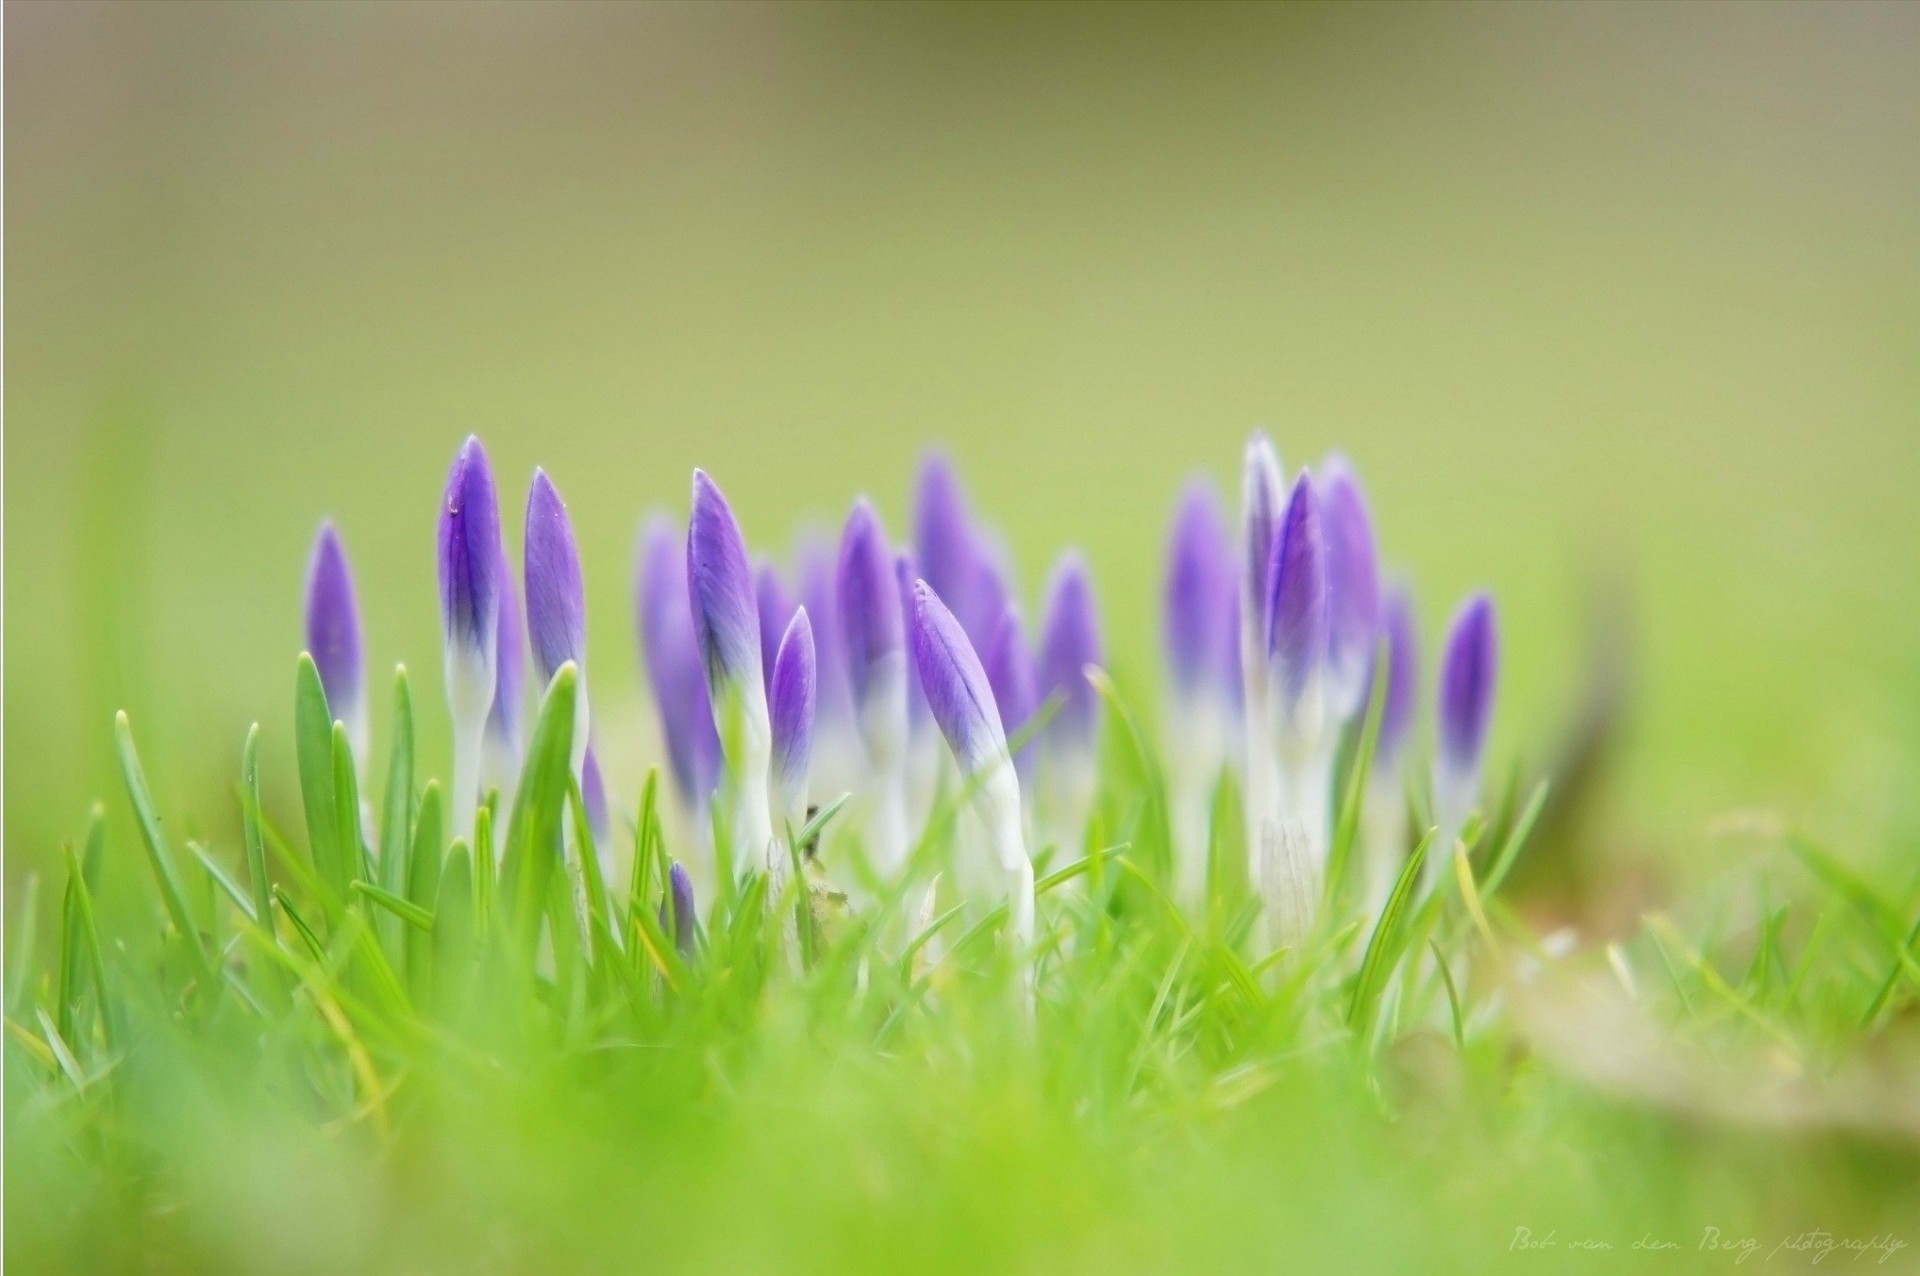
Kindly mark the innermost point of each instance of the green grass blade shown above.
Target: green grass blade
(397, 812)
(313, 750)
(423, 887)
(154, 837)
(1516, 841)
(1383, 947)
(250, 827)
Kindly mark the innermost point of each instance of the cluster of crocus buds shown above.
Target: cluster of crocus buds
(878, 652)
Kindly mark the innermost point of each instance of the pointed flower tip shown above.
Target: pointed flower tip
(1014, 678)
(470, 555)
(1353, 583)
(677, 911)
(333, 623)
(1402, 634)
(673, 665)
(1198, 605)
(959, 697)
(1069, 643)
(556, 594)
(1296, 611)
(720, 588)
(776, 610)
(791, 703)
(870, 606)
(1469, 672)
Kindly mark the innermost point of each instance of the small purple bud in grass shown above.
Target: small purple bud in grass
(720, 586)
(506, 719)
(593, 796)
(1469, 671)
(1262, 502)
(1297, 615)
(556, 594)
(904, 575)
(1015, 680)
(791, 709)
(815, 558)
(943, 544)
(333, 635)
(776, 609)
(1403, 678)
(1070, 643)
(1199, 616)
(958, 694)
(1353, 585)
(673, 665)
(677, 915)
(869, 597)
(469, 559)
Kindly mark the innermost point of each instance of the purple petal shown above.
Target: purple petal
(1015, 680)
(673, 666)
(1262, 499)
(1297, 595)
(776, 609)
(593, 796)
(470, 554)
(942, 530)
(1403, 675)
(1353, 585)
(1469, 671)
(869, 598)
(333, 625)
(505, 719)
(556, 595)
(791, 705)
(677, 910)
(817, 589)
(1070, 643)
(1199, 620)
(726, 618)
(904, 575)
(958, 695)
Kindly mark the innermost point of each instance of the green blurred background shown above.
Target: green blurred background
(1591, 294)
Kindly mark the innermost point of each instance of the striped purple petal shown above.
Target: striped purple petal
(1353, 586)
(869, 599)
(1015, 680)
(506, 719)
(333, 625)
(776, 609)
(556, 594)
(958, 695)
(904, 575)
(470, 554)
(815, 558)
(1297, 595)
(790, 707)
(720, 587)
(672, 658)
(1198, 620)
(1069, 643)
(677, 915)
(1262, 501)
(1469, 672)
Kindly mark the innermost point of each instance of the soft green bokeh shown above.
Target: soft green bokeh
(1588, 292)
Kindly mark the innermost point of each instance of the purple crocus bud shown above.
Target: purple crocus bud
(593, 796)
(904, 574)
(815, 558)
(1199, 602)
(677, 913)
(556, 595)
(673, 665)
(870, 609)
(469, 560)
(506, 720)
(790, 708)
(958, 694)
(1353, 585)
(1297, 613)
(943, 532)
(1469, 671)
(720, 587)
(1262, 501)
(776, 609)
(1403, 678)
(1015, 680)
(333, 635)
(1071, 642)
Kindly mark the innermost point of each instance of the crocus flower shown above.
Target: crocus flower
(556, 598)
(776, 609)
(961, 702)
(1198, 612)
(1383, 812)
(815, 557)
(506, 720)
(791, 710)
(1353, 583)
(1469, 673)
(1403, 678)
(726, 626)
(1071, 642)
(873, 637)
(673, 664)
(1298, 826)
(470, 555)
(1015, 681)
(944, 546)
(904, 574)
(1262, 498)
(677, 915)
(333, 635)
